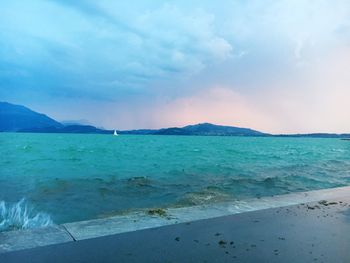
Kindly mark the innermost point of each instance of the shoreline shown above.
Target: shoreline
(308, 232)
(340, 136)
(139, 221)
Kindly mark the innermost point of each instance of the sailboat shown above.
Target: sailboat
(115, 133)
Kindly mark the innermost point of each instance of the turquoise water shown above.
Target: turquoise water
(71, 177)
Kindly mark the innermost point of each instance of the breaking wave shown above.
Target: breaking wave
(21, 216)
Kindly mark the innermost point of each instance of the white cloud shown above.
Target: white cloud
(188, 39)
(283, 61)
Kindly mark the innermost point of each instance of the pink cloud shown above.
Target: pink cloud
(218, 105)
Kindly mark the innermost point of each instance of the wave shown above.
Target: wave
(21, 216)
(205, 196)
(232, 189)
(286, 181)
(139, 181)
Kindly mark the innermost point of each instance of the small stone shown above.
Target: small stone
(222, 242)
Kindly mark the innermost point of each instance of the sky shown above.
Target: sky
(275, 66)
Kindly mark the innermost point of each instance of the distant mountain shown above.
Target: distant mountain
(139, 132)
(203, 129)
(316, 135)
(68, 129)
(172, 131)
(208, 129)
(16, 117)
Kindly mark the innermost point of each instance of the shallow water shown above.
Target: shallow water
(75, 177)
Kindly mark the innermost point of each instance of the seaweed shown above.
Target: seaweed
(157, 212)
(326, 203)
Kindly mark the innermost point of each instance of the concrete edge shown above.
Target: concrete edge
(30, 238)
(70, 232)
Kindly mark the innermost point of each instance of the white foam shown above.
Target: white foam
(20, 216)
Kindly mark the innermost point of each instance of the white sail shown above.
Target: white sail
(115, 133)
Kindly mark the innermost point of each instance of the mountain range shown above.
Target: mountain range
(203, 129)
(17, 118)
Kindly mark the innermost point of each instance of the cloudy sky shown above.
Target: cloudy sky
(275, 66)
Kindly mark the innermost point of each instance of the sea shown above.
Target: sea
(58, 178)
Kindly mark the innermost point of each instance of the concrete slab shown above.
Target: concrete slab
(313, 232)
(29, 238)
(114, 225)
(24, 239)
(141, 220)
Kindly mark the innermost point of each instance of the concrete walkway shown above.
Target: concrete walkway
(313, 232)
